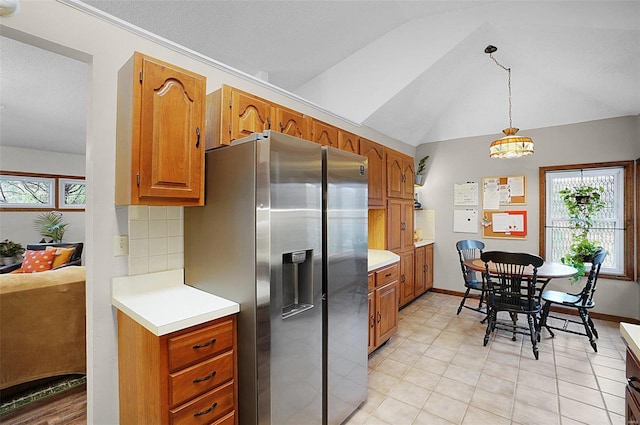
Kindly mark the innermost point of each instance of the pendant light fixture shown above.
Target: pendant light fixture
(510, 146)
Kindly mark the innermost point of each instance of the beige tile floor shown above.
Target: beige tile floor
(436, 371)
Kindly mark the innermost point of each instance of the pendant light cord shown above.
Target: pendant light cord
(509, 71)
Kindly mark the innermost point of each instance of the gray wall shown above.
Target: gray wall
(463, 160)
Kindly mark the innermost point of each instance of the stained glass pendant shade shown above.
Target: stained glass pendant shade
(511, 145)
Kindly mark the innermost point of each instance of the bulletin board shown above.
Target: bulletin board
(503, 190)
(504, 224)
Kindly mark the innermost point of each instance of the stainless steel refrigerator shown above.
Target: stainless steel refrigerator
(284, 233)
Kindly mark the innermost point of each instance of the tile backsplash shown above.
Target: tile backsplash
(156, 239)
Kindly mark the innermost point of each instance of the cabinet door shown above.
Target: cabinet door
(377, 171)
(348, 141)
(407, 178)
(420, 275)
(324, 134)
(171, 148)
(407, 225)
(406, 281)
(249, 114)
(372, 321)
(291, 122)
(394, 225)
(428, 280)
(395, 184)
(386, 303)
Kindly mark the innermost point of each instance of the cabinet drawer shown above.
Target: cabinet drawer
(206, 408)
(371, 281)
(200, 378)
(386, 275)
(194, 346)
(229, 419)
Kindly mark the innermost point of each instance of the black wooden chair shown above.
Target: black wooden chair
(467, 250)
(582, 301)
(512, 288)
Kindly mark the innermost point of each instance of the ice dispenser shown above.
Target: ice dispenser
(297, 284)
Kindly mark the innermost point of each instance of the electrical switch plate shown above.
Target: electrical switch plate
(120, 245)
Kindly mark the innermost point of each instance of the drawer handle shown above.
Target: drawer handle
(206, 344)
(204, 412)
(388, 275)
(632, 385)
(206, 378)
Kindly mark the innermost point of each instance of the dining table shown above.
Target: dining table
(547, 271)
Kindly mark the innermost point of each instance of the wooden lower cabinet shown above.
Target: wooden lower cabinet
(185, 377)
(383, 305)
(406, 279)
(632, 391)
(423, 269)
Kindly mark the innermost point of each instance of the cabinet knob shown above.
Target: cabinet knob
(197, 137)
(379, 317)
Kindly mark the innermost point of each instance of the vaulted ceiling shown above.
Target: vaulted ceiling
(416, 70)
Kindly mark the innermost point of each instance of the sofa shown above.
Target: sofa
(74, 258)
(42, 325)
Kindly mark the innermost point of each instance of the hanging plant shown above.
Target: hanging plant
(583, 203)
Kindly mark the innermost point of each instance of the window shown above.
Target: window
(71, 193)
(41, 192)
(613, 226)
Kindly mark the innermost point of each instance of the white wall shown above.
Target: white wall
(18, 225)
(463, 160)
(66, 30)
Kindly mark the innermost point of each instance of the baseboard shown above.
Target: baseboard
(558, 309)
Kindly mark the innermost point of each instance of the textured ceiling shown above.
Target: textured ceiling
(416, 70)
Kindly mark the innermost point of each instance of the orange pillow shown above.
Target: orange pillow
(37, 261)
(62, 255)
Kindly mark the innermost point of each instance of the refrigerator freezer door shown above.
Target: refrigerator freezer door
(345, 331)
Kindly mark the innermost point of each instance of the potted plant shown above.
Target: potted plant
(50, 225)
(419, 176)
(582, 203)
(9, 250)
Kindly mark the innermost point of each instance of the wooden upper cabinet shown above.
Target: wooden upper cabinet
(324, 134)
(399, 175)
(233, 114)
(347, 141)
(395, 184)
(291, 122)
(377, 172)
(408, 180)
(160, 134)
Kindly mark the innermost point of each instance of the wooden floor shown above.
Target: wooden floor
(65, 408)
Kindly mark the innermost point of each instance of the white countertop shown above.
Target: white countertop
(380, 258)
(631, 334)
(423, 242)
(162, 303)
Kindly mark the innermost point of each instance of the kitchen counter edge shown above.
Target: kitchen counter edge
(380, 258)
(631, 334)
(163, 303)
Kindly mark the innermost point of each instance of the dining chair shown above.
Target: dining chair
(511, 288)
(582, 301)
(471, 249)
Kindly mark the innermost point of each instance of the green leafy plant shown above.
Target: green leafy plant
(421, 165)
(582, 203)
(10, 249)
(50, 225)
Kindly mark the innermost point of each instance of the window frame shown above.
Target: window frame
(58, 201)
(628, 210)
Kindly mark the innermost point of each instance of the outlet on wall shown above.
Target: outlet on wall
(120, 245)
